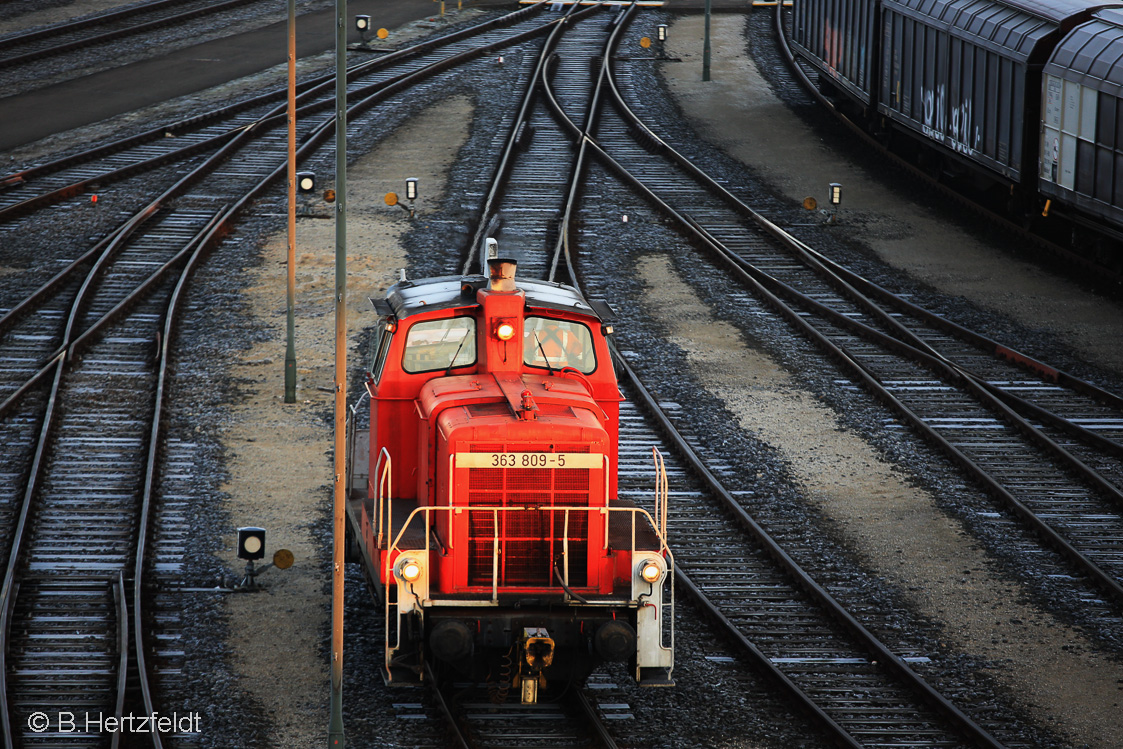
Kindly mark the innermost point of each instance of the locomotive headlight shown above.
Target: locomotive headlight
(408, 570)
(651, 570)
(505, 331)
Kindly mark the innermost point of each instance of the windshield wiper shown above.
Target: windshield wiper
(452, 363)
(543, 352)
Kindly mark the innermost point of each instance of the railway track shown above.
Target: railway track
(107, 167)
(104, 28)
(961, 395)
(529, 205)
(72, 603)
(84, 360)
(822, 659)
(480, 716)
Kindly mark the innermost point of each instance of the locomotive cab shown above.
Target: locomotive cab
(489, 525)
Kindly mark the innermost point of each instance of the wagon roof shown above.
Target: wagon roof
(1013, 27)
(1092, 53)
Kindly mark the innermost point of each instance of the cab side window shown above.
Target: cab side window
(379, 346)
(440, 344)
(555, 344)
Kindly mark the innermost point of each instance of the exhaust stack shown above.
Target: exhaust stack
(502, 274)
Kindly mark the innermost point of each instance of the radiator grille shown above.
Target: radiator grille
(529, 540)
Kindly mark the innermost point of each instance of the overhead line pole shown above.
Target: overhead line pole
(290, 304)
(706, 46)
(335, 726)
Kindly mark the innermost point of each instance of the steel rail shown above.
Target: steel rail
(320, 84)
(115, 239)
(984, 343)
(147, 500)
(910, 346)
(7, 612)
(913, 171)
(584, 707)
(8, 319)
(271, 119)
(582, 136)
(7, 594)
(878, 649)
(964, 723)
(576, 705)
(122, 608)
(314, 138)
(476, 256)
(109, 36)
(204, 245)
(114, 246)
(98, 19)
(459, 741)
(1103, 579)
(10, 585)
(859, 290)
(763, 662)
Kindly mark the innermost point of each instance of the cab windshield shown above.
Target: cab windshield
(554, 344)
(440, 344)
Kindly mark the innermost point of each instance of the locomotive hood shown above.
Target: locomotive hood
(528, 397)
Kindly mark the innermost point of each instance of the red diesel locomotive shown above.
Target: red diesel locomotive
(488, 521)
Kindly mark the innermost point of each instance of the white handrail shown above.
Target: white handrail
(385, 491)
(427, 513)
(429, 510)
(662, 491)
(565, 551)
(494, 555)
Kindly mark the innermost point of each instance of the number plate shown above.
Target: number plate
(529, 460)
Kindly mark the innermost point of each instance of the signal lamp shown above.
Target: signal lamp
(305, 181)
(661, 32)
(362, 23)
(411, 188)
(835, 193)
(505, 331)
(650, 571)
(251, 543)
(408, 570)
